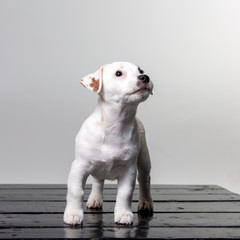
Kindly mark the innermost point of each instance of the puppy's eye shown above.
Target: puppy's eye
(118, 73)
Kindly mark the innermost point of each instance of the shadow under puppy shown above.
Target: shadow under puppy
(111, 144)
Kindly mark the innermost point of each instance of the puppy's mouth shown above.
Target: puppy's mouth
(143, 89)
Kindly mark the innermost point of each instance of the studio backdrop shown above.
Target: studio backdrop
(190, 50)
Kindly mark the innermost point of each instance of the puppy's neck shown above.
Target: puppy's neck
(116, 113)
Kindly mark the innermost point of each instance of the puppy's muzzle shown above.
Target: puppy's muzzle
(144, 78)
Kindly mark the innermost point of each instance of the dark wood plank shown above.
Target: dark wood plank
(205, 194)
(111, 198)
(120, 232)
(107, 186)
(113, 191)
(107, 220)
(181, 211)
(58, 207)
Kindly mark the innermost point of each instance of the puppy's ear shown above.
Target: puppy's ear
(93, 81)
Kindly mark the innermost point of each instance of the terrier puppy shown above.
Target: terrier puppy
(111, 144)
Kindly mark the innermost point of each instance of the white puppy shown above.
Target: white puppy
(111, 144)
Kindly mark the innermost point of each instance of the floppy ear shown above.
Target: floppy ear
(93, 81)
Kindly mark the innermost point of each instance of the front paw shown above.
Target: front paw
(123, 217)
(145, 206)
(73, 217)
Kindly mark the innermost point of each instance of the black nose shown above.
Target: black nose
(144, 78)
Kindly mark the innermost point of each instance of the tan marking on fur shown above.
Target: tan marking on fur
(95, 84)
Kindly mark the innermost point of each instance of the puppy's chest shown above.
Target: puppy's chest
(112, 146)
(118, 149)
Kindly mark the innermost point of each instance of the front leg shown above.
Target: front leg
(126, 183)
(145, 203)
(73, 213)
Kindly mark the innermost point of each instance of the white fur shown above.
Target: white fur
(111, 145)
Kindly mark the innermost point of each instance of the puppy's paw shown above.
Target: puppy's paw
(73, 217)
(145, 206)
(123, 217)
(94, 203)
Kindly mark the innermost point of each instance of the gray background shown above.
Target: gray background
(190, 49)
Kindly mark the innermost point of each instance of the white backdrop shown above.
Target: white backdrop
(190, 49)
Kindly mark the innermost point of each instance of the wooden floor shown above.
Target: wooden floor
(180, 211)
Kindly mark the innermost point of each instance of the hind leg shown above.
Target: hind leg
(95, 199)
(126, 183)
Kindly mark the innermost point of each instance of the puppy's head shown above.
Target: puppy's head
(119, 82)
